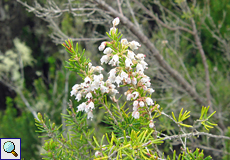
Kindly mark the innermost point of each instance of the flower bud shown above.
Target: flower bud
(134, 81)
(97, 154)
(135, 103)
(90, 64)
(116, 21)
(142, 104)
(151, 124)
(128, 80)
(158, 106)
(103, 147)
(112, 31)
(102, 46)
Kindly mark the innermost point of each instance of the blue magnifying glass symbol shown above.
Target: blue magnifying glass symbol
(9, 147)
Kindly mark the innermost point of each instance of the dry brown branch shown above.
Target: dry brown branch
(197, 134)
(132, 13)
(200, 48)
(119, 6)
(161, 22)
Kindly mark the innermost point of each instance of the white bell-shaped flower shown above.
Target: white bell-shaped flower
(90, 115)
(128, 80)
(104, 59)
(114, 61)
(87, 80)
(151, 124)
(81, 107)
(75, 89)
(128, 63)
(140, 56)
(104, 89)
(131, 55)
(135, 95)
(91, 105)
(112, 72)
(89, 95)
(78, 97)
(116, 21)
(136, 114)
(134, 45)
(124, 75)
(135, 103)
(134, 81)
(129, 96)
(150, 90)
(108, 50)
(118, 80)
(140, 68)
(149, 101)
(124, 42)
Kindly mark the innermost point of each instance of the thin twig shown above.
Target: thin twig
(132, 13)
(27, 104)
(161, 22)
(64, 102)
(115, 121)
(196, 134)
(119, 6)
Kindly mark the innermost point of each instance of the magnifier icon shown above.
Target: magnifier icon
(9, 147)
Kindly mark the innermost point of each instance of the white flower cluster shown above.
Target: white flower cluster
(88, 88)
(132, 74)
(129, 70)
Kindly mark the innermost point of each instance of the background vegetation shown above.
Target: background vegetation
(33, 78)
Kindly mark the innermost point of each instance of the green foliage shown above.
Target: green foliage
(78, 63)
(196, 155)
(130, 145)
(75, 145)
(204, 118)
(20, 126)
(182, 117)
